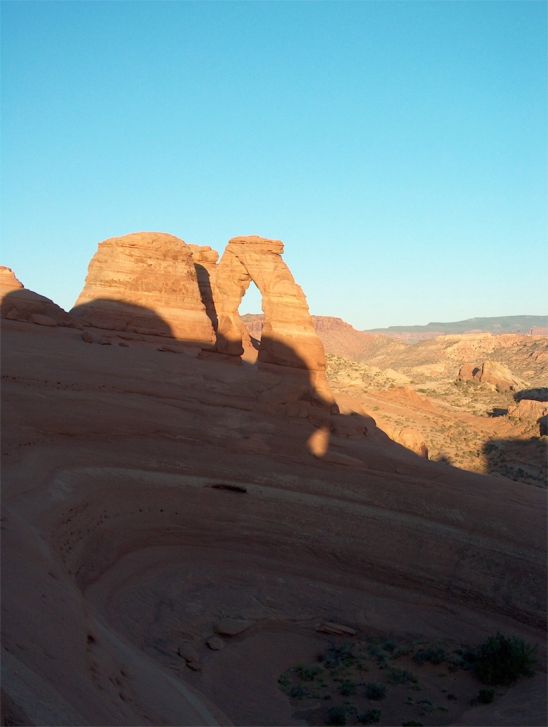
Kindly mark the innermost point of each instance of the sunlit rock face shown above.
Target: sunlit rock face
(288, 335)
(146, 283)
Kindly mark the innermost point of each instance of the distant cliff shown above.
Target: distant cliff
(535, 325)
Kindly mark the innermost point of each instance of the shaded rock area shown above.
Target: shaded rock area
(20, 304)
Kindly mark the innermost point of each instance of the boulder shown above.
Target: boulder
(215, 643)
(145, 283)
(232, 626)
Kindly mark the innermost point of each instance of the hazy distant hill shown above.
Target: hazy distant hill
(500, 324)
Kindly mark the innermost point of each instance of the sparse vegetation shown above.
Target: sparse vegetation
(347, 689)
(372, 716)
(433, 655)
(401, 676)
(375, 691)
(336, 716)
(503, 659)
(485, 696)
(337, 678)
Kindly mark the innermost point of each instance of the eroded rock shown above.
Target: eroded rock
(145, 283)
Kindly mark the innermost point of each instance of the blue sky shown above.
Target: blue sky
(397, 148)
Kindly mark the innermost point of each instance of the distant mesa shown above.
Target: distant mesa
(525, 324)
(492, 373)
(20, 304)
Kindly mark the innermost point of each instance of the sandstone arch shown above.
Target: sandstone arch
(288, 336)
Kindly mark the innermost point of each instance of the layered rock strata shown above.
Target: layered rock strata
(288, 335)
(20, 304)
(145, 283)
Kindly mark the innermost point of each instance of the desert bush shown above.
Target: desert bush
(400, 676)
(372, 716)
(347, 689)
(307, 673)
(434, 655)
(503, 659)
(339, 714)
(374, 690)
(485, 696)
(336, 716)
(342, 655)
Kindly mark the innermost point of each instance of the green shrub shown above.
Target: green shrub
(298, 693)
(375, 691)
(401, 676)
(434, 655)
(503, 659)
(307, 673)
(485, 696)
(284, 682)
(342, 655)
(336, 716)
(347, 689)
(372, 716)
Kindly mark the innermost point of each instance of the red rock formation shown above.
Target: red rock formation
(145, 283)
(20, 304)
(492, 373)
(288, 335)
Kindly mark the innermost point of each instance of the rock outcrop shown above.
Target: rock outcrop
(492, 373)
(288, 335)
(411, 439)
(532, 414)
(20, 304)
(145, 283)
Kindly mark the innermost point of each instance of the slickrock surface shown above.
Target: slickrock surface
(145, 283)
(124, 546)
(20, 304)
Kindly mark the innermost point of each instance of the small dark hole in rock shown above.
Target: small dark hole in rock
(230, 488)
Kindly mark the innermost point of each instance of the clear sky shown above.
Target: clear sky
(397, 148)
